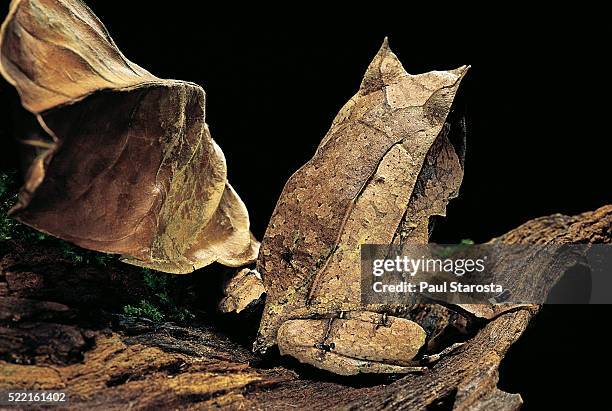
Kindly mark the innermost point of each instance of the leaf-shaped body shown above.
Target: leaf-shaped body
(128, 164)
(357, 189)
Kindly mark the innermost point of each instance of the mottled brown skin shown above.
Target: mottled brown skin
(368, 182)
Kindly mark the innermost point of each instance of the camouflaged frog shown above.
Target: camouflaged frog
(391, 160)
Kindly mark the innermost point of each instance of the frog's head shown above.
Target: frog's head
(435, 90)
(432, 111)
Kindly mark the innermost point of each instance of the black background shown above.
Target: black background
(537, 141)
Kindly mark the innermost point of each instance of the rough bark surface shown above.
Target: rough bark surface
(52, 337)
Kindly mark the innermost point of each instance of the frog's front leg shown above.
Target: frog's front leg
(354, 342)
(243, 290)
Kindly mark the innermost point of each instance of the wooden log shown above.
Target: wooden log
(58, 331)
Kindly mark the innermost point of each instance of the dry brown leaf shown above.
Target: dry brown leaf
(385, 166)
(126, 163)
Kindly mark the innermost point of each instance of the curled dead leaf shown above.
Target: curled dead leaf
(125, 163)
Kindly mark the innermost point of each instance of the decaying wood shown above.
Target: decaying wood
(123, 161)
(383, 169)
(52, 338)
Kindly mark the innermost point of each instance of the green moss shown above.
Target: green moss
(144, 309)
(162, 304)
(11, 229)
(81, 256)
(155, 280)
(449, 250)
(164, 289)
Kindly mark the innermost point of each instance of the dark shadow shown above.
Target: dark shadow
(574, 287)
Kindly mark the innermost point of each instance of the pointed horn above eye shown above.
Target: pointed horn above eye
(384, 69)
(461, 71)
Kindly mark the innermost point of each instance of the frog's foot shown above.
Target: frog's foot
(242, 291)
(354, 342)
(428, 359)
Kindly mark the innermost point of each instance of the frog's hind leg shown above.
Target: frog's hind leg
(354, 342)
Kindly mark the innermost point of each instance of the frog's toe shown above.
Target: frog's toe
(360, 342)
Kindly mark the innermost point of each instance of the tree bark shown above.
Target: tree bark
(57, 331)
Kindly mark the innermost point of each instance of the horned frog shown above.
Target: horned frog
(383, 169)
